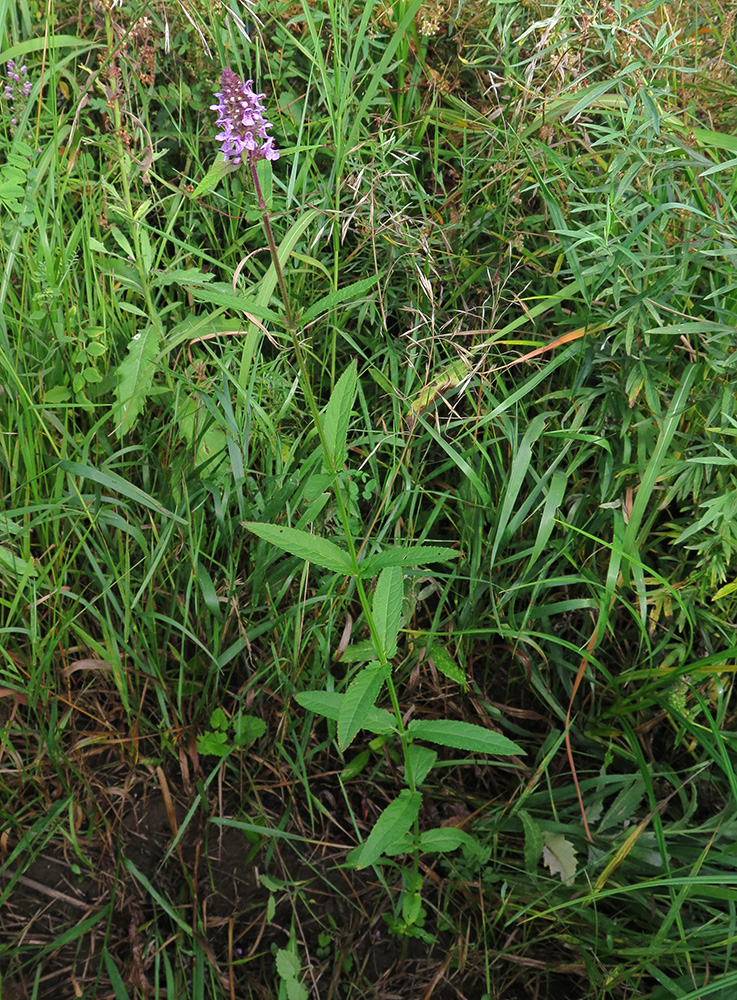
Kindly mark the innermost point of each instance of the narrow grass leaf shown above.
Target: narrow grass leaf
(390, 827)
(171, 911)
(553, 500)
(116, 484)
(302, 544)
(654, 467)
(377, 74)
(387, 609)
(336, 418)
(517, 474)
(459, 461)
(114, 976)
(358, 701)
(461, 736)
(134, 378)
(590, 96)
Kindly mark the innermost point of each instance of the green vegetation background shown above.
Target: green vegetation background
(460, 186)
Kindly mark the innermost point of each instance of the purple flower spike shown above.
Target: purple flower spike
(241, 115)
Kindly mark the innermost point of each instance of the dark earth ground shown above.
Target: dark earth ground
(96, 823)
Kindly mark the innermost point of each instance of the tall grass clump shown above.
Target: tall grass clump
(367, 567)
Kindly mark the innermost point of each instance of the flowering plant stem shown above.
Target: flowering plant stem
(334, 470)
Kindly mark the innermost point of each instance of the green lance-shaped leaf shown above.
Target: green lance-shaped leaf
(390, 827)
(117, 484)
(358, 701)
(336, 417)
(212, 178)
(329, 703)
(442, 839)
(461, 736)
(418, 762)
(350, 293)
(442, 659)
(134, 377)
(387, 609)
(207, 441)
(317, 550)
(407, 556)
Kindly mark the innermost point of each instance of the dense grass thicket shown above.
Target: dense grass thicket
(368, 575)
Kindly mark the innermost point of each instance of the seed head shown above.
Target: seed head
(241, 115)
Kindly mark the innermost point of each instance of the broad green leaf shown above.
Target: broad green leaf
(419, 762)
(353, 292)
(97, 245)
(409, 556)
(122, 240)
(411, 896)
(317, 550)
(354, 767)
(219, 720)
(134, 377)
(207, 440)
(461, 736)
(328, 703)
(559, 855)
(533, 841)
(287, 964)
(359, 651)
(448, 838)
(191, 276)
(247, 729)
(116, 484)
(390, 827)
(625, 804)
(213, 744)
(387, 609)
(358, 701)
(296, 990)
(336, 417)
(14, 564)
